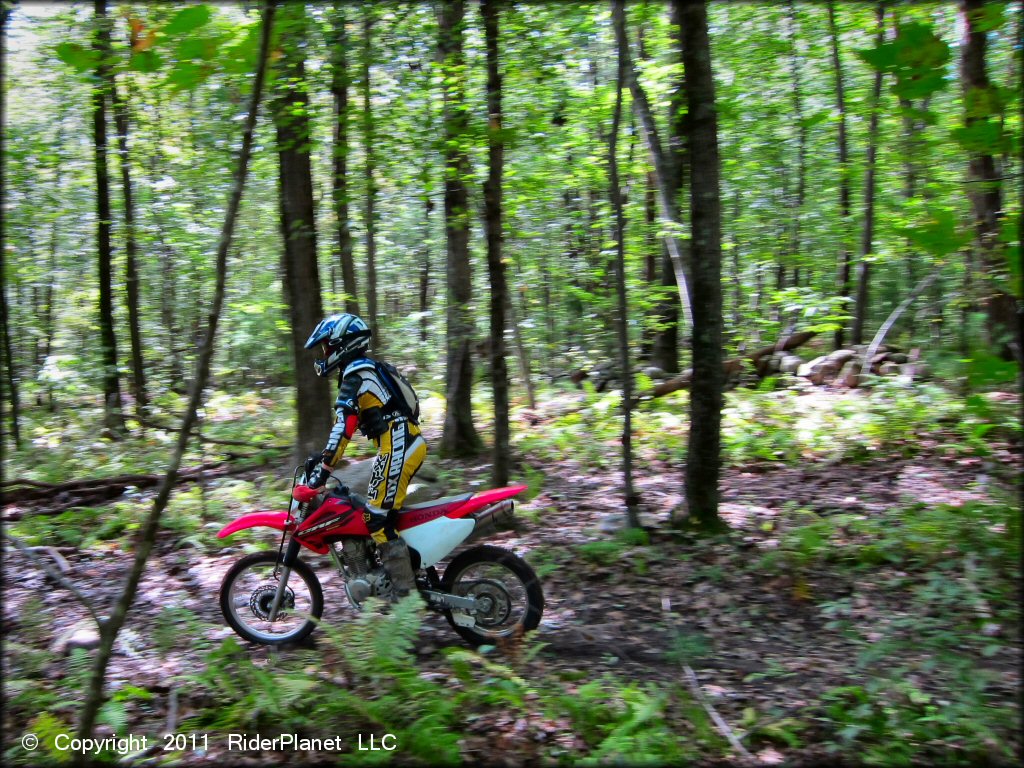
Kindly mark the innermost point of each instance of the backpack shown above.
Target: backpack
(400, 388)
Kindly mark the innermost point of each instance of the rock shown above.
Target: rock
(849, 376)
(790, 364)
(841, 356)
(807, 369)
(80, 635)
(825, 373)
(888, 368)
(655, 373)
(915, 370)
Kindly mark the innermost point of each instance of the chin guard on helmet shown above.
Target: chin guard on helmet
(343, 338)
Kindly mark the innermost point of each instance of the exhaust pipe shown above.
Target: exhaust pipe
(490, 520)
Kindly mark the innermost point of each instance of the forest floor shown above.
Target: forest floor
(803, 624)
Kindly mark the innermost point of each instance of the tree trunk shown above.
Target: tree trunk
(112, 626)
(984, 189)
(424, 306)
(797, 203)
(11, 377)
(131, 269)
(868, 238)
(460, 437)
(622, 328)
(301, 276)
(845, 257)
(1020, 220)
(113, 416)
(652, 256)
(703, 461)
(664, 164)
(490, 10)
(665, 344)
(369, 141)
(524, 358)
(737, 276)
(339, 178)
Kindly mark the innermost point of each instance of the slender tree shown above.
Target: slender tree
(131, 269)
(10, 377)
(867, 243)
(490, 10)
(1020, 219)
(985, 187)
(665, 342)
(301, 275)
(622, 324)
(460, 436)
(339, 178)
(845, 257)
(369, 169)
(663, 162)
(113, 416)
(110, 628)
(703, 460)
(797, 202)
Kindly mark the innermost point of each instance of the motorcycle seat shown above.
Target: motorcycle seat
(453, 500)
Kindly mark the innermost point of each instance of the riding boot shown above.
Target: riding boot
(394, 555)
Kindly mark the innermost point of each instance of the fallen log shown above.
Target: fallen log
(205, 438)
(83, 493)
(731, 367)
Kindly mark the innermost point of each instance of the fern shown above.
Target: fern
(114, 714)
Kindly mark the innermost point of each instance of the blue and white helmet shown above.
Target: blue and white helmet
(343, 338)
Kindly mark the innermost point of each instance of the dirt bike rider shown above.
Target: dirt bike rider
(365, 401)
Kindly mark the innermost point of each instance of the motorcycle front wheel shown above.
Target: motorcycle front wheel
(248, 591)
(506, 589)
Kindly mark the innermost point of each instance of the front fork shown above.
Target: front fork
(291, 554)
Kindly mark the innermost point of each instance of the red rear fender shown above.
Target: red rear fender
(486, 498)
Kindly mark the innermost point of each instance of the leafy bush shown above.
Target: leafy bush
(890, 721)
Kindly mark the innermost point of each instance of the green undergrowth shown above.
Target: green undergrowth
(192, 518)
(364, 678)
(926, 599)
(789, 425)
(70, 443)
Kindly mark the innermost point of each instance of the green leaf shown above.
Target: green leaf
(812, 120)
(78, 56)
(883, 58)
(990, 17)
(196, 48)
(146, 61)
(938, 234)
(982, 137)
(185, 75)
(188, 19)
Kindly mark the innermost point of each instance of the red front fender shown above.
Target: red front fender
(275, 520)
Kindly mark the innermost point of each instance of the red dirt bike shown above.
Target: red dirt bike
(486, 592)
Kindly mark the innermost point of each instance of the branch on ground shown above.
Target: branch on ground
(54, 576)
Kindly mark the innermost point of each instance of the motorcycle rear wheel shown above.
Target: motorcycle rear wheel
(246, 593)
(510, 594)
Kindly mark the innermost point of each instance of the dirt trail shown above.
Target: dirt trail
(753, 642)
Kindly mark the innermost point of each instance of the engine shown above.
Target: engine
(364, 577)
(355, 556)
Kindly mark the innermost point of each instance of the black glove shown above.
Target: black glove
(316, 475)
(311, 464)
